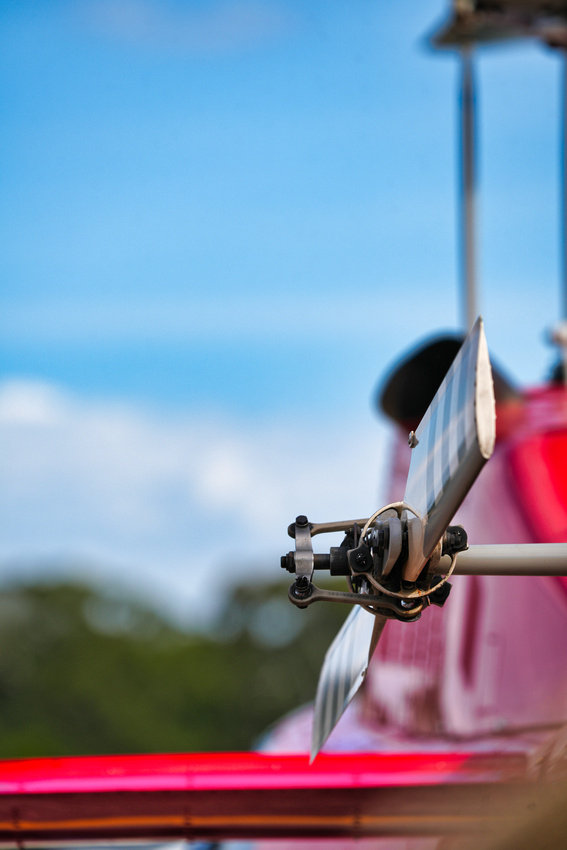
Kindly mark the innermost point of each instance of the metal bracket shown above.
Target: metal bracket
(389, 606)
(304, 559)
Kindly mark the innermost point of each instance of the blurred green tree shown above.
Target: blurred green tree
(82, 672)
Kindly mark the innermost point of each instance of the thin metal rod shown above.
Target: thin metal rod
(517, 559)
(564, 217)
(328, 527)
(468, 188)
(564, 198)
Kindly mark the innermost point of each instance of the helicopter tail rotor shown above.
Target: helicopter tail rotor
(392, 559)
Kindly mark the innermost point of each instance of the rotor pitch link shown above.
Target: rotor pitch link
(303, 594)
(328, 527)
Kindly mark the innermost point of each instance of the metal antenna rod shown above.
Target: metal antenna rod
(468, 189)
(559, 334)
(564, 198)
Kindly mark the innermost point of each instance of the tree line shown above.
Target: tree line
(83, 672)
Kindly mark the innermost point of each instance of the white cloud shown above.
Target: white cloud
(29, 403)
(176, 506)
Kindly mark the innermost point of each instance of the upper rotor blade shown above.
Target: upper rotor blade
(344, 670)
(455, 438)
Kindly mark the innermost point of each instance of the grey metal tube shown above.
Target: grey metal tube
(514, 559)
(563, 54)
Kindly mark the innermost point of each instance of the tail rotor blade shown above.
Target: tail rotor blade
(344, 670)
(453, 441)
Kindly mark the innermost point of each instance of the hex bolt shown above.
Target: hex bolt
(412, 440)
(359, 562)
(301, 521)
(288, 562)
(454, 540)
(301, 587)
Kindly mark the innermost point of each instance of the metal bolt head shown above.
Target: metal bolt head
(360, 562)
(301, 521)
(288, 562)
(301, 588)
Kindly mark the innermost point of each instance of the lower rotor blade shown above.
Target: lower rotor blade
(344, 670)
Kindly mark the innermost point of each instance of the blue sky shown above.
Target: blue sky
(220, 222)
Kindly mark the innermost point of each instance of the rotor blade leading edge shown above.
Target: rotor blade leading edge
(455, 438)
(344, 670)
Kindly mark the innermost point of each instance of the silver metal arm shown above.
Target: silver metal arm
(514, 559)
(564, 187)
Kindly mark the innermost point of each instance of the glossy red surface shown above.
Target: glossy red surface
(538, 465)
(252, 795)
(234, 771)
